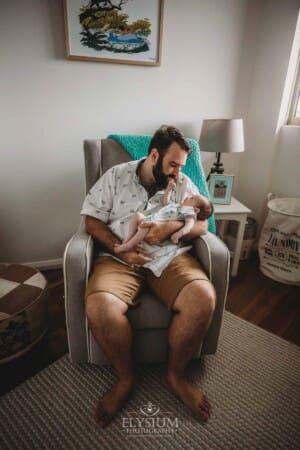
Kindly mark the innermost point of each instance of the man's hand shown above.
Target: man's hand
(160, 231)
(136, 257)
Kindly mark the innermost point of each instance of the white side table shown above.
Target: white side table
(238, 212)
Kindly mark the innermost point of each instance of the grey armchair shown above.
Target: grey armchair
(151, 318)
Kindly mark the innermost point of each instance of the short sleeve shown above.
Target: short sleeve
(191, 187)
(99, 200)
(186, 189)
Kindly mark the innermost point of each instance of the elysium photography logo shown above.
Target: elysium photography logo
(149, 420)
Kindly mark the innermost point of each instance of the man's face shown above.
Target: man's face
(169, 165)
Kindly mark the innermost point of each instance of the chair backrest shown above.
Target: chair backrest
(99, 156)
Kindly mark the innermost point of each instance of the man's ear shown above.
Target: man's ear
(154, 155)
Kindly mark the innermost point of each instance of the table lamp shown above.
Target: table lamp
(221, 136)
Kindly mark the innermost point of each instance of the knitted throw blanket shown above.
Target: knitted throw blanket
(137, 146)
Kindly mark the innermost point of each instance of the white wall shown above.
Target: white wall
(285, 177)
(49, 105)
(272, 159)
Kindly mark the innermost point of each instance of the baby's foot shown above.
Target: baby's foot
(118, 248)
(175, 238)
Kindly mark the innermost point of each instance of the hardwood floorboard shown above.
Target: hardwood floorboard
(244, 288)
(267, 303)
(260, 306)
(284, 316)
(293, 332)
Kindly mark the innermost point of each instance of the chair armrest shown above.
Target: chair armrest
(215, 259)
(78, 257)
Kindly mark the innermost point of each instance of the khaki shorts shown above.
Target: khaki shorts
(127, 283)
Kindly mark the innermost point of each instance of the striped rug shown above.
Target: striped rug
(253, 383)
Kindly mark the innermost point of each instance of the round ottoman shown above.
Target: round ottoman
(23, 309)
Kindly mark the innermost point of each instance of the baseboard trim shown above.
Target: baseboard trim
(46, 264)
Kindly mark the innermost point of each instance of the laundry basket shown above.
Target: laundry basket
(279, 242)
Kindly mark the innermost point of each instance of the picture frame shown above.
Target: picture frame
(116, 31)
(220, 188)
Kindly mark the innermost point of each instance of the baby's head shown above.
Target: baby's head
(202, 205)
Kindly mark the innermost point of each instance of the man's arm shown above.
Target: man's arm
(102, 233)
(160, 231)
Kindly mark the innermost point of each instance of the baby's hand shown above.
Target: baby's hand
(171, 184)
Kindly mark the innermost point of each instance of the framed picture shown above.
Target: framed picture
(220, 188)
(116, 31)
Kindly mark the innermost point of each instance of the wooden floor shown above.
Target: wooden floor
(271, 305)
(252, 296)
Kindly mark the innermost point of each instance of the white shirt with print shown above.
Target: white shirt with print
(118, 194)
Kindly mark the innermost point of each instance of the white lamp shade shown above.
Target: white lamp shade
(222, 136)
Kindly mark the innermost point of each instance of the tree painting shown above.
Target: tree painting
(106, 27)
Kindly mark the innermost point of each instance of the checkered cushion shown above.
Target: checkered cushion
(19, 287)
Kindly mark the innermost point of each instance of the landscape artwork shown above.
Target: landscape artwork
(121, 31)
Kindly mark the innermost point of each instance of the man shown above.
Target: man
(114, 285)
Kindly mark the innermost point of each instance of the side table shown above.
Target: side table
(23, 309)
(238, 212)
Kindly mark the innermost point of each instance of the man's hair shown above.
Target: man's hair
(165, 136)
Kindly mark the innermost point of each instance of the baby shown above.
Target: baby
(191, 209)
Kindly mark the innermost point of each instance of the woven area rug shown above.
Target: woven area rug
(253, 383)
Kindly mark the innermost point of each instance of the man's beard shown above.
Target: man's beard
(161, 179)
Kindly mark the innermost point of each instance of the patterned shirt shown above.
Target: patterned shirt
(118, 194)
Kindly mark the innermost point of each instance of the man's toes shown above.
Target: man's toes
(205, 405)
(204, 411)
(102, 417)
(104, 420)
(203, 416)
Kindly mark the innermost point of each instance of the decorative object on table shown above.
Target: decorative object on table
(23, 309)
(279, 242)
(220, 188)
(120, 31)
(221, 136)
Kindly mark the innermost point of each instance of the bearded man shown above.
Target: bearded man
(117, 280)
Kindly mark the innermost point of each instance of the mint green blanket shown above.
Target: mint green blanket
(137, 146)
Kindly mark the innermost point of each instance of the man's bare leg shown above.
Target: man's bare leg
(112, 331)
(194, 308)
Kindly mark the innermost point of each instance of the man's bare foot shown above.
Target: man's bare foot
(191, 396)
(112, 401)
